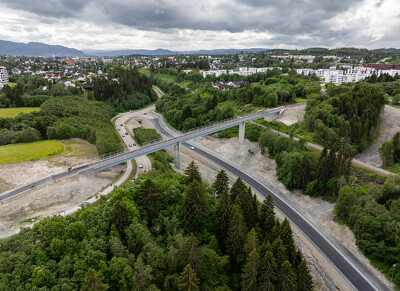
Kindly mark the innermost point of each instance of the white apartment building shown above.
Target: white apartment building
(3, 77)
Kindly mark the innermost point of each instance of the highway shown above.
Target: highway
(346, 266)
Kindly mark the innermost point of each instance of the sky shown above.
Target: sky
(202, 24)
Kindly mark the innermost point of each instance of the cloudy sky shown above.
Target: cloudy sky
(202, 24)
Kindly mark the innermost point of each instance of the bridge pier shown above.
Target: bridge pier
(177, 159)
(241, 132)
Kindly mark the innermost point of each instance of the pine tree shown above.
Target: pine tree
(304, 279)
(192, 173)
(194, 210)
(191, 254)
(250, 271)
(287, 240)
(396, 148)
(188, 280)
(267, 273)
(303, 173)
(222, 217)
(148, 197)
(221, 183)
(119, 214)
(246, 202)
(267, 215)
(287, 278)
(255, 209)
(237, 188)
(279, 250)
(274, 233)
(251, 241)
(236, 233)
(92, 282)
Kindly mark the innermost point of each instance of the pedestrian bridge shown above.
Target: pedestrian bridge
(176, 141)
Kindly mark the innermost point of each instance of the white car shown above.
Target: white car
(140, 166)
(191, 147)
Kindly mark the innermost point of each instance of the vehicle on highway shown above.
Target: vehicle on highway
(119, 129)
(140, 166)
(191, 147)
(126, 133)
(162, 131)
(145, 113)
(134, 144)
(130, 145)
(123, 135)
(122, 124)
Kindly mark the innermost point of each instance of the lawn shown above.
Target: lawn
(12, 112)
(29, 151)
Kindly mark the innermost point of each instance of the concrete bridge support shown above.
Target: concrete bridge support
(177, 155)
(241, 132)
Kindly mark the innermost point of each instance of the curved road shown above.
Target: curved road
(356, 273)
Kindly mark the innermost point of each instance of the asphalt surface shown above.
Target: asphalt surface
(341, 263)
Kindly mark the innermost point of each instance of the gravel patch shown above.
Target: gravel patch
(390, 125)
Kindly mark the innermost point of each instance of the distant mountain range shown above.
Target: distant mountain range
(36, 49)
(45, 50)
(160, 52)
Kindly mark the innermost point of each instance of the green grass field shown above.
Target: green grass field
(12, 112)
(29, 151)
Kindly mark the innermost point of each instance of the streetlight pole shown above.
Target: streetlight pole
(394, 268)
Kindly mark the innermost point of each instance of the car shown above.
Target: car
(145, 113)
(191, 147)
(140, 166)
(119, 129)
(162, 131)
(130, 145)
(123, 135)
(134, 144)
(126, 133)
(122, 124)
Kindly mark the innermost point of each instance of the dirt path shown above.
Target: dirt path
(390, 125)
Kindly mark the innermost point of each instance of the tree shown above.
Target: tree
(250, 271)
(222, 217)
(236, 233)
(268, 273)
(287, 240)
(92, 282)
(287, 278)
(303, 173)
(192, 173)
(221, 183)
(251, 242)
(148, 197)
(188, 280)
(267, 215)
(304, 279)
(119, 214)
(237, 188)
(194, 209)
(186, 113)
(191, 254)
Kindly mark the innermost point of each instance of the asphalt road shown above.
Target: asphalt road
(342, 264)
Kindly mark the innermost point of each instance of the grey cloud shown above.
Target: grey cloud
(48, 8)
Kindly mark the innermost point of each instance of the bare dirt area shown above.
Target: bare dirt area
(76, 152)
(315, 209)
(139, 122)
(390, 125)
(55, 198)
(290, 115)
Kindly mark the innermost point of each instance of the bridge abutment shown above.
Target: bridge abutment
(177, 159)
(241, 132)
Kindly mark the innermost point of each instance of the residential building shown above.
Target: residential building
(3, 77)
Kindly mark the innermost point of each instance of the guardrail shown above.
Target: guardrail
(122, 156)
